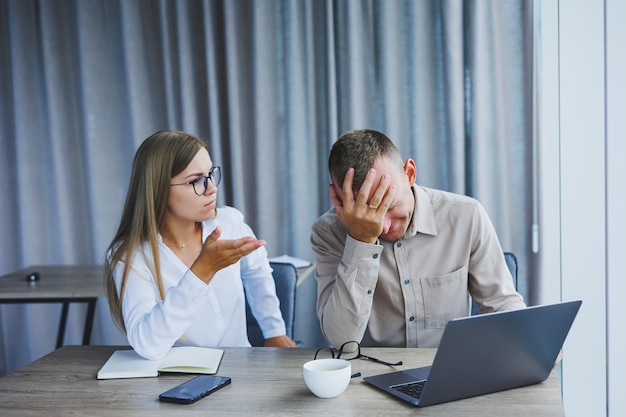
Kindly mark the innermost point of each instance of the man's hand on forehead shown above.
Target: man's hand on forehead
(363, 212)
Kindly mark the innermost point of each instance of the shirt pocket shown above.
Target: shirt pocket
(445, 297)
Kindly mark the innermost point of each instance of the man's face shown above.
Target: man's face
(400, 211)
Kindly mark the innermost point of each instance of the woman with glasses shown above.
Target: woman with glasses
(178, 266)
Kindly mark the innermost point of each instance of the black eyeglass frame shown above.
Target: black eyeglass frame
(215, 175)
(359, 355)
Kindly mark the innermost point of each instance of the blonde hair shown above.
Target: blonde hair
(160, 157)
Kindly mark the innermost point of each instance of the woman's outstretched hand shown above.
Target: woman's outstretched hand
(217, 254)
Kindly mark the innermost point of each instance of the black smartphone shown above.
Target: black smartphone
(191, 391)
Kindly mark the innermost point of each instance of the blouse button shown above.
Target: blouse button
(407, 281)
(375, 256)
(369, 291)
(398, 244)
(411, 318)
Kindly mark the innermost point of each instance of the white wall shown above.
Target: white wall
(616, 203)
(582, 118)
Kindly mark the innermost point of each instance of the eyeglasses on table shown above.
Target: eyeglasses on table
(349, 351)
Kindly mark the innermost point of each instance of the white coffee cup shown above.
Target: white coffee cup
(327, 378)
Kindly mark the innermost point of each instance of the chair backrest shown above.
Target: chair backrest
(285, 279)
(511, 262)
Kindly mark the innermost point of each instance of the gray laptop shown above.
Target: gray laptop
(486, 353)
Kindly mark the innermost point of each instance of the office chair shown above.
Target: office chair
(511, 262)
(285, 278)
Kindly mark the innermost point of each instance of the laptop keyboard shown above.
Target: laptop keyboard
(414, 389)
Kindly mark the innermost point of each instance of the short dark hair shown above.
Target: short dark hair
(359, 149)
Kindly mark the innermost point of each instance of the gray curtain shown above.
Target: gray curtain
(269, 84)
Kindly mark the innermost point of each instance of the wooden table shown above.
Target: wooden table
(57, 284)
(265, 381)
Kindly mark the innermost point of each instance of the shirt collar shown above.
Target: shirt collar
(423, 220)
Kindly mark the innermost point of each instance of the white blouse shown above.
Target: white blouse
(194, 313)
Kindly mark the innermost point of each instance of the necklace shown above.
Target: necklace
(167, 239)
(171, 243)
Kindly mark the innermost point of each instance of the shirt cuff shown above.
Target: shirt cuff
(274, 333)
(361, 254)
(193, 281)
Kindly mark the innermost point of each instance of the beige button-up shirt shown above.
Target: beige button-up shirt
(402, 293)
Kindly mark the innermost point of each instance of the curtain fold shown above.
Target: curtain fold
(270, 85)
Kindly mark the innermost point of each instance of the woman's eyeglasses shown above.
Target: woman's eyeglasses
(201, 183)
(348, 351)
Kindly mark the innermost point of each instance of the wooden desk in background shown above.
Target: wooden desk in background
(66, 284)
(265, 381)
(57, 284)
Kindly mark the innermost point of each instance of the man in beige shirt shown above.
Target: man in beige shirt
(395, 261)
